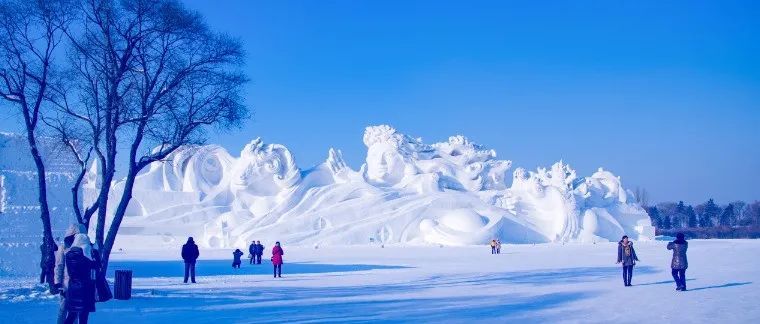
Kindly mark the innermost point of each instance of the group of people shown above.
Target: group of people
(495, 246)
(190, 255)
(679, 263)
(255, 251)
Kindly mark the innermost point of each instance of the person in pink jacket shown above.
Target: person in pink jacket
(277, 259)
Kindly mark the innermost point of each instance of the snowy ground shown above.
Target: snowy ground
(526, 283)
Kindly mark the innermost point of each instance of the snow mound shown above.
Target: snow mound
(451, 193)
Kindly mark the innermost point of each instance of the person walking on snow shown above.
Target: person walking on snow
(81, 262)
(679, 264)
(626, 256)
(61, 277)
(259, 251)
(498, 246)
(252, 252)
(277, 253)
(493, 246)
(190, 254)
(236, 258)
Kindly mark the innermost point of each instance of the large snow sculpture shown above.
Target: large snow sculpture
(455, 192)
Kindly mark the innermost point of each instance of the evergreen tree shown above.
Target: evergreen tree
(654, 216)
(710, 215)
(753, 213)
(692, 217)
(666, 223)
(727, 218)
(679, 218)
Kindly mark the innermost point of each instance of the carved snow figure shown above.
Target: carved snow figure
(450, 193)
(263, 175)
(389, 155)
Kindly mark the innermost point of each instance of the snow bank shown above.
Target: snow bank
(451, 193)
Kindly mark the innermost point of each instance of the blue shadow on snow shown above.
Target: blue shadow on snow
(205, 268)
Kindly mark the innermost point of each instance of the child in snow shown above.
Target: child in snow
(236, 258)
(277, 253)
(498, 246)
(626, 256)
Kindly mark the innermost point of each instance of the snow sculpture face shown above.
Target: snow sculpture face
(385, 164)
(264, 170)
(387, 151)
(206, 169)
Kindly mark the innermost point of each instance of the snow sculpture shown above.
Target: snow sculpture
(395, 159)
(390, 155)
(264, 170)
(453, 193)
(20, 233)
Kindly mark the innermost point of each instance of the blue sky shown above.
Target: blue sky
(665, 94)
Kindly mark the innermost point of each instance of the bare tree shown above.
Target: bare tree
(642, 196)
(30, 35)
(151, 77)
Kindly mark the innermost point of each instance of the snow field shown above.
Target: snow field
(574, 283)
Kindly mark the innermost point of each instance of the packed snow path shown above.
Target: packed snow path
(541, 283)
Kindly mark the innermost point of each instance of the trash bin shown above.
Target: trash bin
(122, 285)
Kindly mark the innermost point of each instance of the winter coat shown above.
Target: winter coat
(259, 249)
(236, 256)
(190, 252)
(252, 248)
(60, 276)
(679, 255)
(277, 253)
(626, 256)
(80, 294)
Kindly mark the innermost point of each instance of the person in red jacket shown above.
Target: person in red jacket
(277, 259)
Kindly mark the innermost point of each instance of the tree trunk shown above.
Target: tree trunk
(118, 216)
(47, 230)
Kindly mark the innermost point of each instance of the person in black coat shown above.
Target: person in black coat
(190, 254)
(259, 251)
(252, 252)
(236, 258)
(80, 292)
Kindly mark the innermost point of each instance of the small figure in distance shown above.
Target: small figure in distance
(252, 252)
(190, 254)
(259, 252)
(277, 254)
(236, 258)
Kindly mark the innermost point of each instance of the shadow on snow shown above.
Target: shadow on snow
(207, 268)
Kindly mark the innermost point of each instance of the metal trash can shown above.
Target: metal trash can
(122, 285)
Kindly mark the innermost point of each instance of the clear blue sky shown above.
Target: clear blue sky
(665, 94)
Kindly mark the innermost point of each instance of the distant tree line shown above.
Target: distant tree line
(737, 219)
